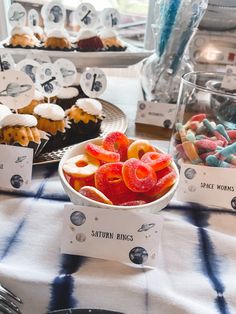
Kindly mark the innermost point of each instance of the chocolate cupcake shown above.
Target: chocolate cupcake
(51, 119)
(29, 109)
(88, 40)
(57, 39)
(67, 97)
(85, 118)
(23, 37)
(111, 41)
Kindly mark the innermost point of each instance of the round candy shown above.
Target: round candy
(94, 194)
(102, 154)
(163, 184)
(156, 160)
(81, 166)
(138, 148)
(138, 176)
(109, 180)
(117, 142)
(78, 183)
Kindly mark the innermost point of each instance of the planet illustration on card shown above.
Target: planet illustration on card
(17, 16)
(66, 73)
(15, 89)
(78, 218)
(233, 203)
(20, 159)
(16, 181)
(146, 227)
(138, 255)
(190, 173)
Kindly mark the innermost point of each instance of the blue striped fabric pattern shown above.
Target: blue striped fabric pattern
(196, 271)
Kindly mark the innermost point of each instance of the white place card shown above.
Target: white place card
(117, 235)
(155, 113)
(15, 167)
(209, 186)
(229, 80)
(93, 82)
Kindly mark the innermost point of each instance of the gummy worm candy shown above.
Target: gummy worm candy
(191, 152)
(227, 151)
(217, 134)
(215, 162)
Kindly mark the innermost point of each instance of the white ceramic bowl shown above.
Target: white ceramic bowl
(78, 199)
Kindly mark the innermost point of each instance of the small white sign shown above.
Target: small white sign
(6, 62)
(105, 233)
(87, 15)
(54, 14)
(68, 71)
(229, 80)
(33, 18)
(110, 18)
(16, 89)
(93, 82)
(209, 186)
(28, 66)
(17, 15)
(155, 113)
(15, 167)
(49, 79)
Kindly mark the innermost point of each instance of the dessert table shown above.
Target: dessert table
(196, 270)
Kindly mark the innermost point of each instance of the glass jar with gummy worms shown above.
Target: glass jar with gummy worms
(205, 128)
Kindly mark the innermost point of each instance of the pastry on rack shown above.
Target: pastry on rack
(51, 119)
(67, 97)
(38, 33)
(111, 41)
(19, 129)
(85, 118)
(88, 40)
(23, 37)
(57, 39)
(38, 98)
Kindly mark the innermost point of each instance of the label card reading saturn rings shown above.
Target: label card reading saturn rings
(93, 82)
(154, 113)
(103, 233)
(16, 89)
(87, 15)
(68, 71)
(49, 79)
(15, 167)
(209, 186)
(17, 15)
(6, 62)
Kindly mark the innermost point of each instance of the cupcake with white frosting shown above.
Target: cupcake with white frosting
(4, 111)
(23, 36)
(111, 41)
(67, 97)
(85, 118)
(38, 32)
(29, 109)
(57, 39)
(88, 40)
(51, 119)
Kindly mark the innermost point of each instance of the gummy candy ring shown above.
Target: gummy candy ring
(81, 166)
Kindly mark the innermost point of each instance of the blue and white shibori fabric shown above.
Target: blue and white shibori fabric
(196, 271)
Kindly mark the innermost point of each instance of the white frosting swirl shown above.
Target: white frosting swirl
(85, 34)
(90, 105)
(22, 30)
(107, 33)
(14, 119)
(68, 92)
(4, 111)
(49, 111)
(58, 33)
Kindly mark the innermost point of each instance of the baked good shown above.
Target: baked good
(23, 37)
(67, 97)
(88, 40)
(111, 41)
(19, 129)
(51, 119)
(38, 33)
(57, 39)
(85, 118)
(4, 111)
(29, 109)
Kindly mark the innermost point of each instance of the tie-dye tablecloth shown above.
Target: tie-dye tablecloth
(196, 270)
